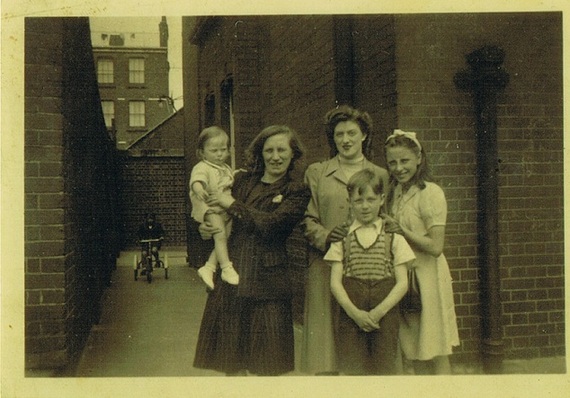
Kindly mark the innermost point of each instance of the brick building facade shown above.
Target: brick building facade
(132, 71)
(71, 213)
(401, 69)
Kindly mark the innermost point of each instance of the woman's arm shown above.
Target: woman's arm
(269, 223)
(395, 295)
(315, 232)
(360, 317)
(432, 243)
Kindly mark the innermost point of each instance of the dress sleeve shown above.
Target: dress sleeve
(279, 221)
(335, 252)
(315, 232)
(433, 206)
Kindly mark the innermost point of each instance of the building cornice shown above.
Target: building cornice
(131, 50)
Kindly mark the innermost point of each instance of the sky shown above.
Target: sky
(145, 29)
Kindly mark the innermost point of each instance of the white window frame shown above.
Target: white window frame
(136, 70)
(137, 111)
(108, 112)
(105, 71)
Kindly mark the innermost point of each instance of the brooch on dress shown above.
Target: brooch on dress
(277, 199)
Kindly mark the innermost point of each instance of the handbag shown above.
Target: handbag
(411, 303)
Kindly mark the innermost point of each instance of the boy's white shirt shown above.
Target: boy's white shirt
(402, 251)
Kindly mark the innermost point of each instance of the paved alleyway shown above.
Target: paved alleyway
(152, 329)
(147, 329)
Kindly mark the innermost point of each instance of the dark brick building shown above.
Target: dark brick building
(248, 72)
(71, 210)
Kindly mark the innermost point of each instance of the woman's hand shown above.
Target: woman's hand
(217, 199)
(392, 225)
(206, 230)
(338, 233)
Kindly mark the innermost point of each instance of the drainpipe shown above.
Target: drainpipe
(484, 78)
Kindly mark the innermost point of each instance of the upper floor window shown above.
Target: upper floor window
(136, 70)
(108, 112)
(105, 71)
(137, 114)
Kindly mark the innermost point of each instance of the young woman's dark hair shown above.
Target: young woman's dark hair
(344, 113)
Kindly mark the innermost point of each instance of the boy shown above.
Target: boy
(368, 279)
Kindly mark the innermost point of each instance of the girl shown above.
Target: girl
(418, 212)
(212, 174)
(368, 279)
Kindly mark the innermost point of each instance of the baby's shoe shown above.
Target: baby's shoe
(229, 274)
(206, 273)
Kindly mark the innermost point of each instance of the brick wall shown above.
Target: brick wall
(430, 50)
(403, 68)
(153, 184)
(70, 207)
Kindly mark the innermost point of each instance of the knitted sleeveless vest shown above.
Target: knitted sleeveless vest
(375, 262)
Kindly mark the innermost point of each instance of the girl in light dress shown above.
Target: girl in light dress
(418, 212)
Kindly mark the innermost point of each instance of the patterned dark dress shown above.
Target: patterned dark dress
(250, 326)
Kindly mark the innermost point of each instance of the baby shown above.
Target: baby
(212, 174)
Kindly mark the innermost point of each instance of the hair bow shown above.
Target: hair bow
(408, 134)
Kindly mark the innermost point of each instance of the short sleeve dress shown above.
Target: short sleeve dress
(433, 332)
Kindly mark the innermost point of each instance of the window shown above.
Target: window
(136, 114)
(105, 69)
(108, 112)
(136, 70)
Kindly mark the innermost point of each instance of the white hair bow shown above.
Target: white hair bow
(408, 134)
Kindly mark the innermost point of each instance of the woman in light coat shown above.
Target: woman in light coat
(326, 220)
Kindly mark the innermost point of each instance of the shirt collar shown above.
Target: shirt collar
(217, 166)
(378, 225)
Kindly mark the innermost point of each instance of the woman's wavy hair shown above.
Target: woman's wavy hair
(344, 113)
(254, 153)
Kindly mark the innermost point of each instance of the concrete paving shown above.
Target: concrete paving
(148, 329)
(152, 329)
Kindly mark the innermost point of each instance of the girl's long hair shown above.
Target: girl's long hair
(423, 173)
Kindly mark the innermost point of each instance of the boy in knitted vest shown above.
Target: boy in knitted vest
(368, 279)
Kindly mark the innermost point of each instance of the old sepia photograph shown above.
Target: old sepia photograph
(251, 203)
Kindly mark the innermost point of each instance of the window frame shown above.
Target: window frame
(134, 115)
(105, 75)
(109, 116)
(137, 76)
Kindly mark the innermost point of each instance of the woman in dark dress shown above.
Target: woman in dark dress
(249, 327)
